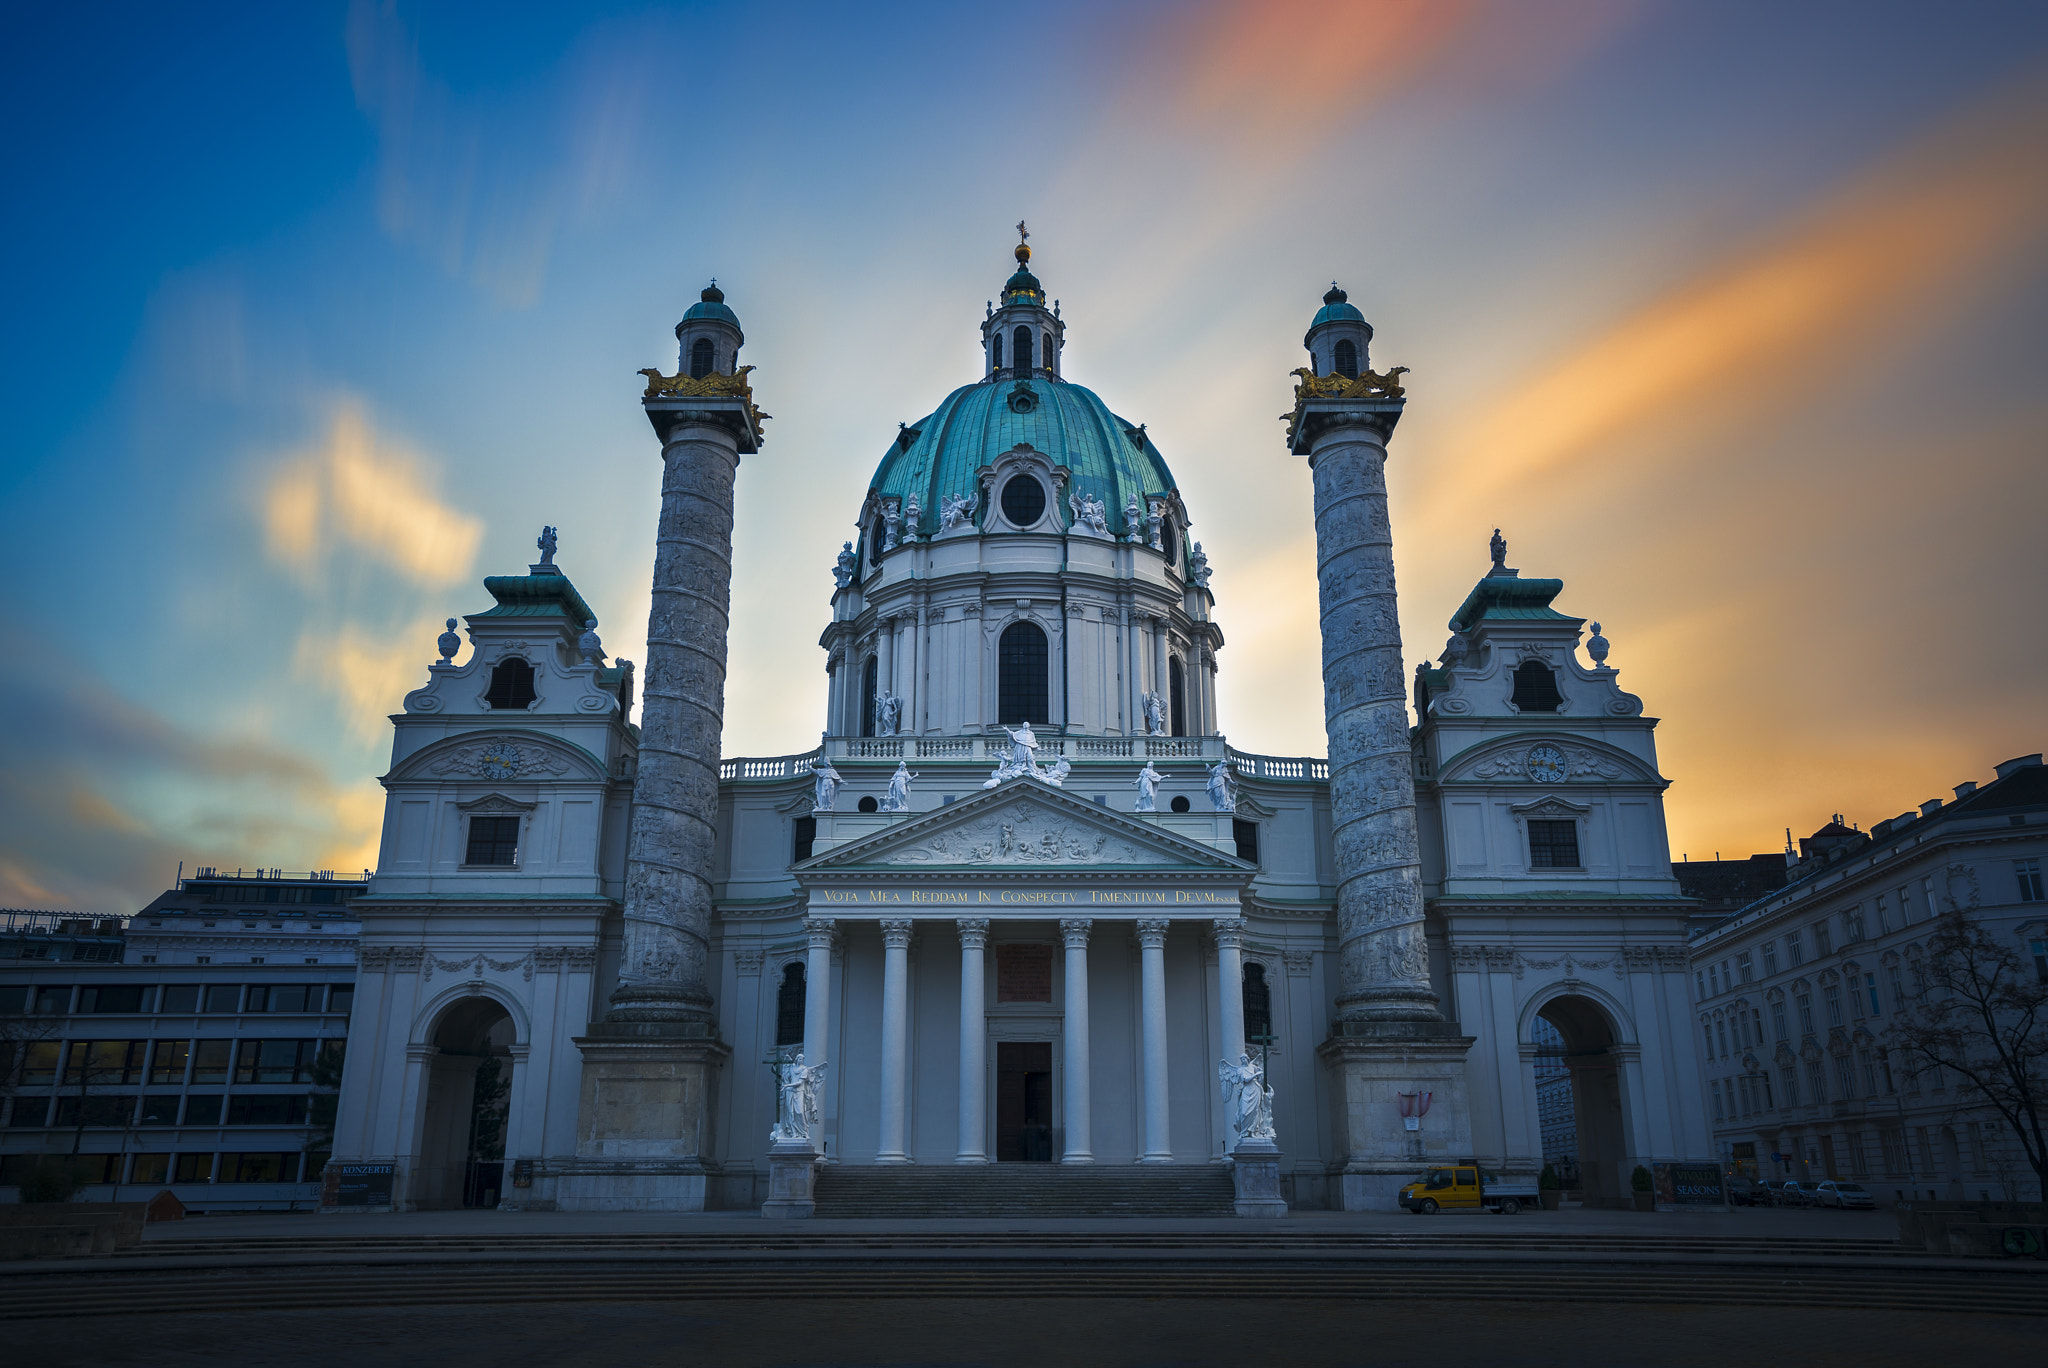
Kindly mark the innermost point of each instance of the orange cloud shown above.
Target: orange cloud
(363, 488)
(1926, 230)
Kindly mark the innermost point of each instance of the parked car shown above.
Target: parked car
(1746, 1191)
(1795, 1192)
(1848, 1196)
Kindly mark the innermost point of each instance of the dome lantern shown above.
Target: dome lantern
(1021, 338)
(708, 340)
(1339, 339)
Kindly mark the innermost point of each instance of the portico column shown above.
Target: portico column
(885, 645)
(1074, 1033)
(895, 1037)
(913, 691)
(1230, 984)
(1159, 668)
(1152, 943)
(973, 1048)
(819, 932)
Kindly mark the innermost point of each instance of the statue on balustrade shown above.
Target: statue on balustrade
(825, 785)
(897, 799)
(1148, 788)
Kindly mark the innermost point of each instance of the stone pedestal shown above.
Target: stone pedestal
(643, 1139)
(1375, 1062)
(792, 1171)
(1255, 1169)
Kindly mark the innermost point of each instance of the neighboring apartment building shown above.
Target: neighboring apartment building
(174, 1049)
(1796, 993)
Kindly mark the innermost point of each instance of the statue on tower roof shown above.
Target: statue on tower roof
(546, 543)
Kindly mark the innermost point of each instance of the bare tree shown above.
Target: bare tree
(1984, 1015)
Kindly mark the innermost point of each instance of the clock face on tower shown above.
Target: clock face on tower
(498, 762)
(1546, 765)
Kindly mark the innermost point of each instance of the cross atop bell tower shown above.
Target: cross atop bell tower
(1021, 338)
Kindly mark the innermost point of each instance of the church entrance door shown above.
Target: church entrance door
(1023, 1101)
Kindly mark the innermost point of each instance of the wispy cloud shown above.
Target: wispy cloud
(358, 488)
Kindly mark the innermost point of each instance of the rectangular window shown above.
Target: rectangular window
(1713, 981)
(1715, 1088)
(341, 998)
(210, 1061)
(1707, 1030)
(493, 841)
(1778, 1029)
(1894, 1152)
(1845, 1075)
(1770, 957)
(1821, 944)
(151, 1169)
(1699, 980)
(1722, 1028)
(1805, 1001)
(1246, 836)
(111, 998)
(1832, 995)
(1884, 916)
(1794, 952)
(280, 997)
(2028, 873)
(194, 1168)
(1852, 925)
(180, 997)
(222, 999)
(803, 838)
(1857, 1162)
(1553, 844)
(275, 1061)
(2039, 950)
(267, 1109)
(1764, 1079)
(105, 1061)
(52, 1000)
(1756, 1017)
(1927, 897)
(117, 1110)
(1788, 1079)
(160, 1109)
(1869, 1062)
(167, 1060)
(1743, 967)
(1817, 1080)
(260, 1168)
(1870, 992)
(39, 1063)
(1743, 1087)
(1897, 981)
(202, 1109)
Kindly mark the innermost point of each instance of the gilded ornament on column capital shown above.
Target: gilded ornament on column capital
(1367, 385)
(681, 386)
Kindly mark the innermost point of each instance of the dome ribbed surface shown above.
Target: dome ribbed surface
(1068, 422)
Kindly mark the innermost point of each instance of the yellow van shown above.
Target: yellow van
(1467, 1187)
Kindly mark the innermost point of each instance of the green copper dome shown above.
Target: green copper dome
(712, 305)
(1336, 310)
(1109, 458)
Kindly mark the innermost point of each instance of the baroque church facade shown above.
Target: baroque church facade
(1023, 901)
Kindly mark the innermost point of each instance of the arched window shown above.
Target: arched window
(1023, 689)
(995, 355)
(1021, 349)
(1347, 359)
(1023, 500)
(789, 1007)
(877, 535)
(1046, 351)
(869, 682)
(1169, 544)
(1258, 1004)
(700, 358)
(511, 684)
(1176, 698)
(1535, 688)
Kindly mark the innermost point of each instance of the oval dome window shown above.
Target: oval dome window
(1023, 500)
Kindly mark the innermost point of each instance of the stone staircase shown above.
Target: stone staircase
(1009, 1191)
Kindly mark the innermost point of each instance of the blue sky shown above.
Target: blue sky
(1730, 315)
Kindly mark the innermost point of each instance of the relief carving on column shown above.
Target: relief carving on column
(1074, 932)
(748, 962)
(973, 932)
(1152, 931)
(1299, 962)
(1229, 932)
(821, 932)
(897, 931)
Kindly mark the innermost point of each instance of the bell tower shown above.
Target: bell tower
(1021, 339)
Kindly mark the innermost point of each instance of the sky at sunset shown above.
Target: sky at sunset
(1731, 315)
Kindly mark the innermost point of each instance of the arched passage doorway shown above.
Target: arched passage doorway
(469, 1084)
(1578, 1077)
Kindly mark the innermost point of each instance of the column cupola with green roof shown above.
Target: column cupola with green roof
(708, 340)
(1022, 555)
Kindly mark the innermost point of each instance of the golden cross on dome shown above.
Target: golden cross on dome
(1023, 234)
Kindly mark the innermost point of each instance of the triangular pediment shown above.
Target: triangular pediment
(1023, 825)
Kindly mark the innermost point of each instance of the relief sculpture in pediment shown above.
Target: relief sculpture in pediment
(1019, 836)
